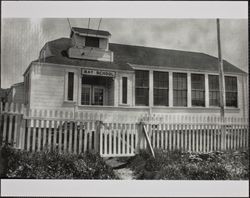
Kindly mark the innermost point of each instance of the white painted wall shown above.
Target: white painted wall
(48, 86)
(16, 94)
(48, 92)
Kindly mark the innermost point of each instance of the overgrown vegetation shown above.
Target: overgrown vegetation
(52, 165)
(175, 165)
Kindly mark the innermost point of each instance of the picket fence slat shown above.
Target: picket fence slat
(39, 130)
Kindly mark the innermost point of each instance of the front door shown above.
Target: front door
(98, 95)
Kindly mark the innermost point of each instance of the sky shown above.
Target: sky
(23, 38)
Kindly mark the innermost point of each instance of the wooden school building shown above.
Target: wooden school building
(86, 72)
(109, 88)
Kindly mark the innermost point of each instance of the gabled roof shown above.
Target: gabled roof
(90, 31)
(124, 55)
(175, 59)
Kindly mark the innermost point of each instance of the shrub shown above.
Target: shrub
(191, 166)
(52, 165)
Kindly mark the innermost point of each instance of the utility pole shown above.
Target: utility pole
(221, 74)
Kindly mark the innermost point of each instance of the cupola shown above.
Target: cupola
(90, 44)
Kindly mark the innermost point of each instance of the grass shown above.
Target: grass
(175, 165)
(52, 165)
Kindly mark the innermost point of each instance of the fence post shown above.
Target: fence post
(139, 139)
(223, 134)
(97, 144)
(21, 133)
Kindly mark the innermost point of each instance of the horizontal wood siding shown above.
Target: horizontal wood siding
(47, 88)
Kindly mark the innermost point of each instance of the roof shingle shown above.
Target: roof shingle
(138, 55)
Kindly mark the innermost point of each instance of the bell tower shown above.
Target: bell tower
(90, 44)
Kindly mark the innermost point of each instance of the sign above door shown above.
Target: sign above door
(97, 72)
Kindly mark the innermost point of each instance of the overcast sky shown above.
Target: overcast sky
(22, 39)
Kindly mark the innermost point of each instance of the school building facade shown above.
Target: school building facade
(88, 73)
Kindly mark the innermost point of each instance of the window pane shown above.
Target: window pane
(231, 83)
(231, 91)
(141, 96)
(161, 97)
(180, 89)
(213, 82)
(91, 41)
(198, 89)
(142, 78)
(70, 85)
(214, 91)
(141, 87)
(98, 96)
(198, 81)
(198, 98)
(160, 80)
(124, 89)
(85, 96)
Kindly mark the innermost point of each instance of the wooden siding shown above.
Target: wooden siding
(48, 90)
(16, 94)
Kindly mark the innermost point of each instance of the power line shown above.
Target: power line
(69, 24)
(99, 23)
(98, 26)
(71, 29)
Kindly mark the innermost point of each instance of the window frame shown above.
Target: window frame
(27, 88)
(199, 90)
(180, 89)
(124, 98)
(93, 95)
(70, 93)
(160, 88)
(143, 87)
(231, 91)
(67, 71)
(213, 90)
(90, 95)
(91, 37)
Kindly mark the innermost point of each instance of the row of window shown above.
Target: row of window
(161, 89)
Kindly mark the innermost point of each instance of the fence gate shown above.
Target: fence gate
(118, 139)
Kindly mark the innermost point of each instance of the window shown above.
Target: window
(198, 89)
(70, 86)
(231, 91)
(180, 89)
(86, 95)
(141, 87)
(98, 96)
(27, 86)
(124, 89)
(161, 88)
(91, 41)
(214, 90)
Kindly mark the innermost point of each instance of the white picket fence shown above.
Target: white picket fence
(76, 135)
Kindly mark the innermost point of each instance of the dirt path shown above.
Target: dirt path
(120, 169)
(124, 174)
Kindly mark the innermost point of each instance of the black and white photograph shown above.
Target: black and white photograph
(109, 98)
